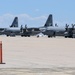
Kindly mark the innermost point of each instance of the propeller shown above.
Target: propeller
(56, 25)
(66, 27)
(73, 26)
(25, 26)
(21, 28)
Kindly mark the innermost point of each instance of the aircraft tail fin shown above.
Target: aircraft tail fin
(15, 22)
(49, 21)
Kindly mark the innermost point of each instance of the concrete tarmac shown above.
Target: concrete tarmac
(32, 52)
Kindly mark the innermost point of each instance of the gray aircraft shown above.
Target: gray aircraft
(14, 24)
(33, 31)
(56, 30)
(51, 30)
(8, 31)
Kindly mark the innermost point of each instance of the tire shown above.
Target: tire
(28, 35)
(21, 35)
(65, 36)
(49, 36)
(7, 35)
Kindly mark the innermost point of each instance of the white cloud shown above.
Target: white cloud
(6, 20)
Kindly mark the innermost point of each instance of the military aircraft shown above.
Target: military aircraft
(53, 31)
(8, 31)
(14, 24)
(33, 31)
(56, 30)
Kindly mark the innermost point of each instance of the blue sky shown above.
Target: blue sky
(35, 12)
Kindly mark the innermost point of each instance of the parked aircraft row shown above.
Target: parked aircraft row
(48, 29)
(15, 30)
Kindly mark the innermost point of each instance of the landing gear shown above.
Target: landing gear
(25, 35)
(49, 36)
(52, 34)
(65, 36)
(37, 36)
(28, 35)
(7, 35)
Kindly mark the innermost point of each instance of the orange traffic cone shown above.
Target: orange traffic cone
(1, 61)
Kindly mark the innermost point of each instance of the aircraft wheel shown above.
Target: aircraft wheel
(28, 35)
(65, 36)
(49, 36)
(38, 36)
(21, 35)
(7, 35)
